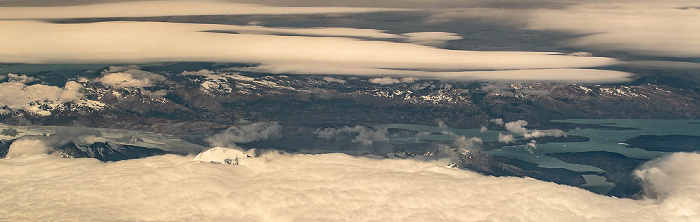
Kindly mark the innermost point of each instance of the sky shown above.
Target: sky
(582, 40)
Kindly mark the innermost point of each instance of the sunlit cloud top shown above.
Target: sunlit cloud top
(168, 8)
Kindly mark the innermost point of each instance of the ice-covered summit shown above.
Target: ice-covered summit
(222, 155)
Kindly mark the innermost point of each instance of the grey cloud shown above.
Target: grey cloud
(245, 133)
(469, 144)
(661, 28)
(499, 88)
(366, 136)
(533, 92)
(653, 28)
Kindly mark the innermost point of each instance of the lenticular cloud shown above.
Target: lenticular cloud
(330, 187)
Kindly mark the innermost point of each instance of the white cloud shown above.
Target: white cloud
(541, 133)
(532, 144)
(365, 136)
(498, 121)
(245, 133)
(168, 8)
(584, 54)
(442, 125)
(27, 147)
(149, 41)
(384, 81)
(674, 180)
(431, 38)
(330, 187)
(506, 138)
(464, 144)
(129, 76)
(18, 78)
(30, 98)
(390, 81)
(121, 79)
(138, 42)
(335, 80)
(518, 127)
(202, 72)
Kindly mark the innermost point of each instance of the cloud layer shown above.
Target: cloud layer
(153, 41)
(138, 42)
(167, 8)
(658, 28)
(330, 187)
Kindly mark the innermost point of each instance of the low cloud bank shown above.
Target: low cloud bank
(27, 147)
(674, 180)
(329, 187)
